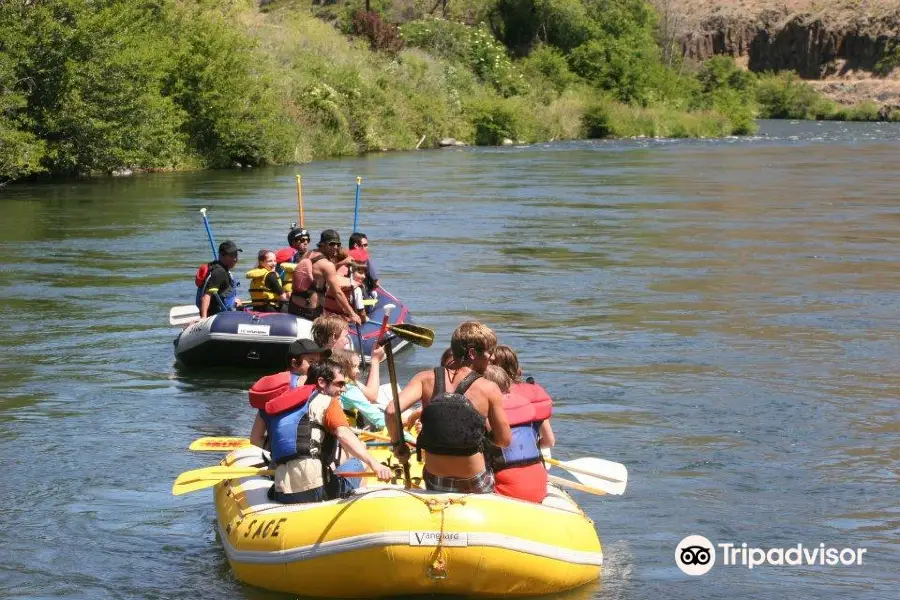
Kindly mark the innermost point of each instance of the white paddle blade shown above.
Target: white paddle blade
(179, 315)
(603, 474)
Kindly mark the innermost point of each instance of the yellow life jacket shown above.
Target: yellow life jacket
(260, 295)
(287, 282)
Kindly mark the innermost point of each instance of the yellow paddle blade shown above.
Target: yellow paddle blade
(415, 334)
(219, 444)
(198, 479)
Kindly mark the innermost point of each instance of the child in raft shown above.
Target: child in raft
(519, 471)
(357, 398)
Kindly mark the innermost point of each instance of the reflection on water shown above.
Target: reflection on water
(716, 314)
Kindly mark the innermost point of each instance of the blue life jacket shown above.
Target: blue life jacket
(522, 450)
(291, 430)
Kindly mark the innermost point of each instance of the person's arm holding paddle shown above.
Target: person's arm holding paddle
(334, 285)
(358, 449)
(373, 383)
(411, 394)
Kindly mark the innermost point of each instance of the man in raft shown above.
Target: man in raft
(301, 355)
(218, 292)
(314, 276)
(307, 426)
(457, 405)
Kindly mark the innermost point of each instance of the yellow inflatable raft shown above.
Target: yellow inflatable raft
(387, 541)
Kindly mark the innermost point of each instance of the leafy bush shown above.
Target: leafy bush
(549, 63)
(475, 47)
(597, 120)
(786, 96)
(495, 119)
(864, 111)
(617, 65)
(728, 89)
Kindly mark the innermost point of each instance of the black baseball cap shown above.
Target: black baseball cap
(228, 247)
(306, 346)
(329, 235)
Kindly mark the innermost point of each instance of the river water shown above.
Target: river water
(718, 315)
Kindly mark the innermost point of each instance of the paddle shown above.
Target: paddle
(575, 486)
(356, 206)
(198, 479)
(415, 334)
(300, 199)
(226, 444)
(179, 315)
(209, 234)
(219, 444)
(608, 476)
(379, 436)
(392, 373)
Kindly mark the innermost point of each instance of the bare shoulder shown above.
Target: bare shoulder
(486, 387)
(483, 393)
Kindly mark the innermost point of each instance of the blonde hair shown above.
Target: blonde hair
(472, 335)
(498, 376)
(326, 328)
(347, 359)
(505, 358)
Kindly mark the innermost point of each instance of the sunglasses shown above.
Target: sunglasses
(334, 244)
(340, 384)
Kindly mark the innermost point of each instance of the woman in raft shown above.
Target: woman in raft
(266, 292)
(518, 469)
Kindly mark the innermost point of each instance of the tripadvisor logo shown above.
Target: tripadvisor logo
(696, 555)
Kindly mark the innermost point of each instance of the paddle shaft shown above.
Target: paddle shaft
(362, 351)
(212, 244)
(392, 373)
(227, 444)
(356, 205)
(567, 467)
(575, 486)
(300, 199)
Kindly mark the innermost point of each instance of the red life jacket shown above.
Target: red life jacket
(268, 388)
(519, 409)
(200, 275)
(538, 396)
(289, 400)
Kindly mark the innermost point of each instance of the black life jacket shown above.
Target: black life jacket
(450, 424)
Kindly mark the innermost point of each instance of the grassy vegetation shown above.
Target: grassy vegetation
(89, 86)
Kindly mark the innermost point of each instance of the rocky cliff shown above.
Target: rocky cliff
(822, 41)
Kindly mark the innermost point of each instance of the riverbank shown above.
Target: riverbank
(180, 86)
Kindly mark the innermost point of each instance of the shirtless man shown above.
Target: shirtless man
(453, 426)
(308, 293)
